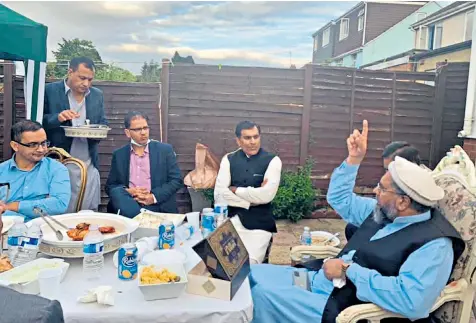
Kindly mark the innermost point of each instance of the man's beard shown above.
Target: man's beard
(385, 214)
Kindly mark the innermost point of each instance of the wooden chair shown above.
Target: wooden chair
(66, 159)
(459, 206)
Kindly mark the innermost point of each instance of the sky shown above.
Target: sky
(270, 34)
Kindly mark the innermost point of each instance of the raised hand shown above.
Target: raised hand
(67, 115)
(357, 144)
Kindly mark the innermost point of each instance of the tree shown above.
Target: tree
(177, 59)
(150, 72)
(114, 73)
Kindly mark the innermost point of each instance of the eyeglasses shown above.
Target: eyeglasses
(35, 145)
(140, 129)
(383, 189)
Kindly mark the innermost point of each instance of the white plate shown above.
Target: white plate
(74, 249)
(326, 235)
(29, 285)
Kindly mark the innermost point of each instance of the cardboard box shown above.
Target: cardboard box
(225, 264)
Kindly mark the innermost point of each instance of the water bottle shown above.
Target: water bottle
(221, 210)
(16, 235)
(93, 249)
(208, 222)
(31, 242)
(306, 238)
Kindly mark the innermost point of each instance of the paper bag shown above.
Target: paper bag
(206, 169)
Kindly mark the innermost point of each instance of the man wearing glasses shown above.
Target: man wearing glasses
(71, 102)
(34, 180)
(144, 173)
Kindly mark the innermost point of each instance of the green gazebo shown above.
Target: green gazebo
(22, 39)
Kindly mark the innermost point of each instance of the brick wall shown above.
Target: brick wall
(470, 147)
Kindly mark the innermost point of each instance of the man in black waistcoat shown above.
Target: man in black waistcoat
(400, 258)
(248, 180)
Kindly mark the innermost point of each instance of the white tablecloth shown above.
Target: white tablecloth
(130, 305)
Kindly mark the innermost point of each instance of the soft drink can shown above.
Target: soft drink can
(208, 223)
(127, 262)
(221, 209)
(166, 235)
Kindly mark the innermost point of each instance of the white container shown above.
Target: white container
(49, 281)
(165, 290)
(193, 218)
(323, 235)
(24, 278)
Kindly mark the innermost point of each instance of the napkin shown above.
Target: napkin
(338, 282)
(101, 295)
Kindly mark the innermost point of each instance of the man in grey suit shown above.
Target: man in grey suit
(70, 102)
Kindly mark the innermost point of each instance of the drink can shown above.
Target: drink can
(127, 262)
(208, 223)
(166, 235)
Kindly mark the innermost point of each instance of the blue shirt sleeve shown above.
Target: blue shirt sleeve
(59, 194)
(340, 195)
(420, 281)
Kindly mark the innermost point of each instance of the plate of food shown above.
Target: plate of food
(115, 229)
(319, 238)
(94, 131)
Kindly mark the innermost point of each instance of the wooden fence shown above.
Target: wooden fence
(303, 113)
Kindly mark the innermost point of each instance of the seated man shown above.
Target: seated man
(35, 180)
(144, 173)
(400, 258)
(393, 149)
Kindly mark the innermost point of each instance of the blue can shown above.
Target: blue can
(127, 262)
(208, 223)
(166, 235)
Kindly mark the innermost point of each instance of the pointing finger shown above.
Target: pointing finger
(365, 128)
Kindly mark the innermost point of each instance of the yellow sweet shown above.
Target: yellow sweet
(149, 275)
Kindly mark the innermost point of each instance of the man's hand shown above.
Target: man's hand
(145, 198)
(13, 206)
(357, 145)
(264, 182)
(333, 268)
(233, 189)
(67, 115)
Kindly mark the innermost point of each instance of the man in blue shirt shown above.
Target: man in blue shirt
(34, 179)
(400, 258)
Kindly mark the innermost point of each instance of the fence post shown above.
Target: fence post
(352, 102)
(164, 105)
(436, 131)
(306, 114)
(9, 71)
(392, 111)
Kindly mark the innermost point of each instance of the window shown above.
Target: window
(438, 36)
(339, 62)
(421, 38)
(316, 45)
(326, 35)
(420, 16)
(344, 28)
(360, 22)
(468, 26)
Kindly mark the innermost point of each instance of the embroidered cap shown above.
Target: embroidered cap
(415, 181)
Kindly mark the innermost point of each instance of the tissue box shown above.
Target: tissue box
(225, 264)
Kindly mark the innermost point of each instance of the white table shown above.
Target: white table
(130, 305)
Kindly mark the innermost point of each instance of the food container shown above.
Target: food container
(24, 278)
(93, 131)
(318, 237)
(165, 290)
(149, 222)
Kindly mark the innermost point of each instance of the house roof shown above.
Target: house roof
(447, 11)
(411, 52)
(443, 50)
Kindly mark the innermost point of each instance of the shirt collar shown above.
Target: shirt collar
(67, 88)
(14, 165)
(414, 218)
(146, 150)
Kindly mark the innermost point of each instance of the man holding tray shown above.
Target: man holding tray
(71, 102)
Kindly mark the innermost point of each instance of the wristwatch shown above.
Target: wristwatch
(345, 266)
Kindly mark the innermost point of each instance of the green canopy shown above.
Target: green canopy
(22, 39)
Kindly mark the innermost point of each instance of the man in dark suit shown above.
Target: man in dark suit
(144, 173)
(70, 102)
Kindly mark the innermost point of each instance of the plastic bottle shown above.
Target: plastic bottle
(93, 249)
(31, 242)
(221, 210)
(16, 235)
(306, 238)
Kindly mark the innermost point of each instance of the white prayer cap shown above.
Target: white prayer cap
(415, 181)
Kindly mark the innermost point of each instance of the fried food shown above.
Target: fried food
(5, 264)
(107, 229)
(150, 276)
(82, 229)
